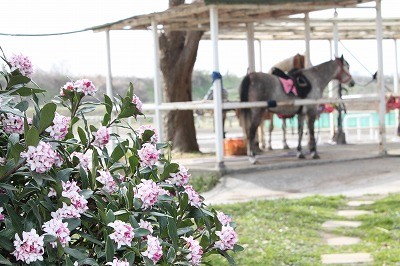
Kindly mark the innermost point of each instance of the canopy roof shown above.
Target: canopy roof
(270, 18)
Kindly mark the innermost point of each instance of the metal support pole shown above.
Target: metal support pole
(331, 86)
(307, 38)
(250, 47)
(217, 88)
(380, 79)
(109, 89)
(260, 54)
(157, 82)
(396, 81)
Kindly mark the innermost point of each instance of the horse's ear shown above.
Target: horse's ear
(342, 58)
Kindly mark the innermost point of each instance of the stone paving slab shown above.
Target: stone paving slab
(347, 258)
(343, 241)
(336, 224)
(353, 213)
(358, 203)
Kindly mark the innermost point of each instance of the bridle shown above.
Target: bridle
(342, 71)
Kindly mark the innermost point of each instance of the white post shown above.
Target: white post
(157, 82)
(331, 86)
(217, 87)
(109, 89)
(396, 82)
(307, 38)
(260, 53)
(250, 47)
(381, 84)
(335, 83)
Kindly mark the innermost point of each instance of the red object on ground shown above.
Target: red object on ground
(393, 103)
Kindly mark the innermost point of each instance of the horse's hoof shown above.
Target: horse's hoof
(300, 155)
(314, 155)
(286, 147)
(252, 159)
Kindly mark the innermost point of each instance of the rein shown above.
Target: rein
(342, 71)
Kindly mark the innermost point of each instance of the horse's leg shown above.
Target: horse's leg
(300, 119)
(256, 117)
(285, 145)
(312, 143)
(270, 129)
(223, 123)
(260, 134)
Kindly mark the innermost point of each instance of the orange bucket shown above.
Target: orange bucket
(235, 146)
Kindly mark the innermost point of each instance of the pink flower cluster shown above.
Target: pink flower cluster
(57, 228)
(194, 198)
(84, 86)
(41, 158)
(146, 225)
(109, 184)
(194, 257)
(29, 248)
(180, 178)
(22, 63)
(71, 191)
(137, 102)
(143, 128)
(123, 233)
(148, 155)
(117, 262)
(2, 217)
(223, 218)
(65, 212)
(82, 158)
(228, 238)
(13, 123)
(59, 129)
(154, 250)
(147, 191)
(102, 137)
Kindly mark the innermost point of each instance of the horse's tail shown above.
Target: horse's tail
(244, 114)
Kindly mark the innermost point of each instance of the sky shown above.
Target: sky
(132, 51)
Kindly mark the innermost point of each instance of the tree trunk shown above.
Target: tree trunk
(178, 55)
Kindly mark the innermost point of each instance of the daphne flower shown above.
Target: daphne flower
(146, 225)
(137, 102)
(223, 218)
(13, 123)
(2, 217)
(154, 250)
(117, 262)
(22, 63)
(102, 137)
(143, 128)
(71, 191)
(147, 192)
(109, 184)
(3, 161)
(180, 178)
(123, 233)
(66, 212)
(85, 86)
(69, 86)
(83, 159)
(194, 256)
(148, 155)
(194, 198)
(52, 192)
(40, 158)
(56, 227)
(228, 238)
(60, 126)
(29, 248)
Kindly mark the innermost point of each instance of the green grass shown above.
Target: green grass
(288, 232)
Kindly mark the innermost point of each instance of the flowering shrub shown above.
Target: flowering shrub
(69, 197)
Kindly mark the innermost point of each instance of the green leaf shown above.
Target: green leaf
(16, 151)
(109, 249)
(237, 248)
(4, 261)
(133, 163)
(7, 186)
(64, 174)
(6, 244)
(16, 80)
(82, 135)
(172, 232)
(170, 168)
(130, 257)
(32, 137)
(15, 218)
(75, 253)
(139, 232)
(171, 255)
(106, 119)
(27, 91)
(110, 216)
(88, 261)
(119, 151)
(49, 238)
(35, 209)
(73, 223)
(228, 257)
(47, 114)
(22, 106)
(108, 104)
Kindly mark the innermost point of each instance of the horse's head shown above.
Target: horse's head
(344, 75)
